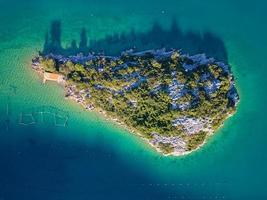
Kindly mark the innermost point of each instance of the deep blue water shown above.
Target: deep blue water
(91, 158)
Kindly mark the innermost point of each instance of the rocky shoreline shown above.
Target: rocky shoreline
(191, 125)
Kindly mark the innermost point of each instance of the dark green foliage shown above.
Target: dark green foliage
(166, 147)
(107, 80)
(195, 140)
(49, 65)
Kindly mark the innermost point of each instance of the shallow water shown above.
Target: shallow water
(90, 158)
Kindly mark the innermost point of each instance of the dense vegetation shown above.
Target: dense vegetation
(141, 90)
(196, 140)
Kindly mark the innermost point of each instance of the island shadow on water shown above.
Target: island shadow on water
(156, 38)
(63, 170)
(43, 166)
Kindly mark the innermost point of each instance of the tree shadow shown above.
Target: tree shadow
(188, 41)
(53, 40)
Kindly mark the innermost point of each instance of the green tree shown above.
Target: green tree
(49, 65)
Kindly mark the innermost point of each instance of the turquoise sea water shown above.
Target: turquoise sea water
(91, 158)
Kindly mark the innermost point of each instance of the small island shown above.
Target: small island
(172, 100)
